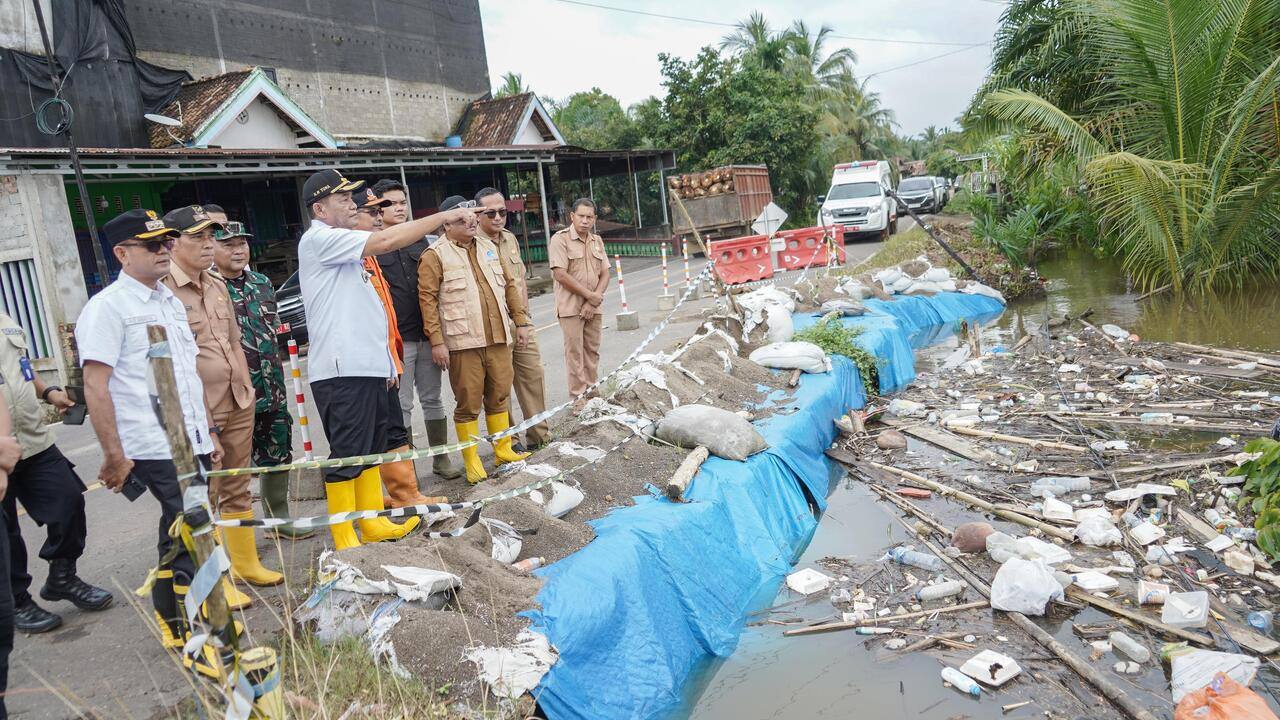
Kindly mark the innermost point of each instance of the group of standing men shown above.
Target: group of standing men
(391, 307)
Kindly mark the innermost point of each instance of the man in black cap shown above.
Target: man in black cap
(111, 336)
(350, 363)
(469, 308)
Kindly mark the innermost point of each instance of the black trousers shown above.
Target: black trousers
(6, 615)
(47, 486)
(354, 412)
(161, 478)
(397, 433)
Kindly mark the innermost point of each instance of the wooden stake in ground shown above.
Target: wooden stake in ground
(184, 459)
(683, 475)
(1038, 444)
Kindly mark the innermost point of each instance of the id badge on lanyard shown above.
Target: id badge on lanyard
(27, 373)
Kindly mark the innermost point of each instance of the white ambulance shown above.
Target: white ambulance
(859, 200)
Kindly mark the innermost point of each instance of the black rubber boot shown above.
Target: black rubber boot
(64, 585)
(33, 619)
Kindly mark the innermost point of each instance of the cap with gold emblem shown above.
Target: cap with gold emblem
(189, 219)
(366, 199)
(325, 183)
(141, 224)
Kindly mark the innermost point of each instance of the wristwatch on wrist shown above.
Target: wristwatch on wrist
(215, 430)
(48, 389)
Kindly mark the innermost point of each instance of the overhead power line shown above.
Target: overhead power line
(924, 60)
(718, 23)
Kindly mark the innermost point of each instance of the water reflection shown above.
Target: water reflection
(1078, 281)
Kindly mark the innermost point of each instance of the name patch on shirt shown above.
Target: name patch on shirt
(140, 319)
(11, 331)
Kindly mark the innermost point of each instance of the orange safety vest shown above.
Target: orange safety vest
(394, 341)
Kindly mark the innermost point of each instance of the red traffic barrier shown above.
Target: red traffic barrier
(743, 259)
(809, 247)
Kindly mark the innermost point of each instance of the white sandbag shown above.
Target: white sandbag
(888, 276)
(844, 307)
(854, 289)
(936, 274)
(922, 287)
(902, 283)
(948, 285)
(781, 326)
(976, 288)
(792, 356)
(505, 540)
(1024, 586)
(722, 433)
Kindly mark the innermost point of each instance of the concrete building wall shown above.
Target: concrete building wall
(18, 27)
(262, 127)
(35, 224)
(393, 68)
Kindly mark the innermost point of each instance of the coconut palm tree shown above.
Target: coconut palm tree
(808, 57)
(512, 84)
(1183, 162)
(858, 114)
(753, 40)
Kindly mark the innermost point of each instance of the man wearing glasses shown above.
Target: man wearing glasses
(111, 336)
(468, 307)
(228, 390)
(254, 301)
(400, 267)
(526, 362)
(401, 477)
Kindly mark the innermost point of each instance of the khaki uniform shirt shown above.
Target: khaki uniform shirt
(509, 252)
(582, 259)
(223, 369)
(19, 393)
(430, 279)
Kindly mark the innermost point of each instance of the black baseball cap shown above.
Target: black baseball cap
(454, 201)
(366, 198)
(325, 183)
(189, 219)
(140, 224)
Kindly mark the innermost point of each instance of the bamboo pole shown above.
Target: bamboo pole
(832, 627)
(1032, 442)
(683, 475)
(978, 502)
(197, 517)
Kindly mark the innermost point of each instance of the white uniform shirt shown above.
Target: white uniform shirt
(112, 330)
(346, 322)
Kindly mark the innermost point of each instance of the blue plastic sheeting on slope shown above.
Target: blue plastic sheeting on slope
(666, 586)
(883, 337)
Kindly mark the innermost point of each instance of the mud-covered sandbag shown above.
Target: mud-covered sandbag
(722, 433)
(901, 284)
(915, 268)
(936, 274)
(888, 276)
(781, 326)
(848, 308)
(792, 356)
(855, 289)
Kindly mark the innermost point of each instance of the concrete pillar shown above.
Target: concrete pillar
(662, 193)
(542, 191)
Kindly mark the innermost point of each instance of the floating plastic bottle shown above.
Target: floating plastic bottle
(1131, 648)
(1261, 621)
(872, 630)
(924, 561)
(939, 591)
(1243, 534)
(961, 682)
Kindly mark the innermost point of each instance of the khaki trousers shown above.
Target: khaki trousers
(481, 379)
(581, 351)
(231, 494)
(530, 388)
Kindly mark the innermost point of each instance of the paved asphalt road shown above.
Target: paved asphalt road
(109, 662)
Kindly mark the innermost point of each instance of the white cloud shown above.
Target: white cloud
(561, 48)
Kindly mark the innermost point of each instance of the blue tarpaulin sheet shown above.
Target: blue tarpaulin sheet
(664, 587)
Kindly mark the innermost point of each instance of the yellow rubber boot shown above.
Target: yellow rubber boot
(236, 600)
(341, 497)
(502, 452)
(369, 497)
(245, 564)
(471, 456)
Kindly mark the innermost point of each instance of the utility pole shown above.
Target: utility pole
(103, 277)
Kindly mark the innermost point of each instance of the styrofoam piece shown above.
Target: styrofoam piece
(808, 581)
(1094, 581)
(1055, 509)
(1220, 543)
(1145, 533)
(991, 668)
(1188, 609)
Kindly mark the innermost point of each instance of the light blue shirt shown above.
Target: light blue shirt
(346, 322)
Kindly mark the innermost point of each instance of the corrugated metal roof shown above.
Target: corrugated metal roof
(491, 123)
(194, 104)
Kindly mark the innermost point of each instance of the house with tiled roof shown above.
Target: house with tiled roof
(512, 120)
(239, 109)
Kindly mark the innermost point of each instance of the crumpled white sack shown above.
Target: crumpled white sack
(505, 541)
(781, 326)
(513, 671)
(976, 288)
(416, 583)
(1024, 586)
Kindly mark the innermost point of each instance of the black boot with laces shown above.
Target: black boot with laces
(63, 584)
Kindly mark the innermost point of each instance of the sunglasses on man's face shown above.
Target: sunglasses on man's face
(495, 213)
(152, 246)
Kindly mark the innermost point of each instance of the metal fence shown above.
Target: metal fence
(20, 299)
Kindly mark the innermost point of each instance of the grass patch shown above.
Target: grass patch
(900, 248)
(836, 338)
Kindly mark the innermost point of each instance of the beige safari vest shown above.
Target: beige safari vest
(461, 312)
(20, 395)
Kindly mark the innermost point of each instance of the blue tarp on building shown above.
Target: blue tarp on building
(665, 587)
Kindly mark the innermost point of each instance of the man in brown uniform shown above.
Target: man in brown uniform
(526, 362)
(224, 372)
(468, 306)
(581, 271)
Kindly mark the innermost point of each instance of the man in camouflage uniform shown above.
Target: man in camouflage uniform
(255, 304)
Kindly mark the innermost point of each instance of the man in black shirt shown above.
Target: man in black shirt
(400, 268)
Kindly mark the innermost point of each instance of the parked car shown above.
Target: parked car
(942, 187)
(920, 194)
(289, 307)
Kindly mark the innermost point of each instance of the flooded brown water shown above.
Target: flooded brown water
(1247, 319)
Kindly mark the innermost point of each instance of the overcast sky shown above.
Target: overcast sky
(561, 47)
